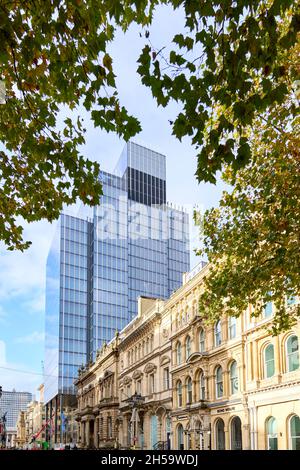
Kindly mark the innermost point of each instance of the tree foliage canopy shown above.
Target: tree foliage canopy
(224, 70)
(252, 239)
(233, 69)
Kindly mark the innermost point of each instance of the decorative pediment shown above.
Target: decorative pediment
(150, 368)
(165, 360)
(196, 356)
(108, 373)
(127, 380)
(137, 374)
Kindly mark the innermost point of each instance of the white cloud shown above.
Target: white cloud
(35, 304)
(3, 316)
(2, 353)
(23, 273)
(13, 375)
(32, 338)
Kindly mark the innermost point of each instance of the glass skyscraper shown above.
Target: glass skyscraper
(133, 244)
(11, 403)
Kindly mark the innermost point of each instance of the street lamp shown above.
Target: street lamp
(134, 401)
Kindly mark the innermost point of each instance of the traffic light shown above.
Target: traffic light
(0, 391)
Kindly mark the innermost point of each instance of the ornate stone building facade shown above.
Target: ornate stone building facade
(171, 381)
(145, 389)
(21, 430)
(98, 399)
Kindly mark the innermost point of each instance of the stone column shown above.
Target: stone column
(277, 351)
(227, 437)
(96, 429)
(226, 385)
(83, 436)
(87, 433)
(246, 436)
(255, 361)
(195, 391)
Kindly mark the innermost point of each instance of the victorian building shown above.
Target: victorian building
(34, 417)
(145, 389)
(234, 385)
(21, 430)
(170, 380)
(98, 399)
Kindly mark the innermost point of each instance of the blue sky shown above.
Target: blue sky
(22, 275)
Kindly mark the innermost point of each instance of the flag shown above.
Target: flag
(63, 421)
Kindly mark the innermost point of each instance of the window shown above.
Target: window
(201, 340)
(218, 335)
(180, 437)
(219, 382)
(202, 386)
(231, 327)
(138, 386)
(166, 378)
(294, 432)
(236, 434)
(189, 390)
(271, 428)
(109, 427)
(151, 384)
(234, 381)
(220, 435)
(179, 393)
(269, 361)
(178, 353)
(187, 348)
(292, 349)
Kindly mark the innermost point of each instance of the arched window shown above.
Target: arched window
(269, 361)
(180, 437)
(218, 335)
(220, 435)
(179, 393)
(234, 380)
(187, 347)
(292, 351)
(188, 433)
(271, 428)
(219, 382)
(178, 353)
(294, 433)
(201, 340)
(231, 327)
(189, 390)
(202, 386)
(236, 434)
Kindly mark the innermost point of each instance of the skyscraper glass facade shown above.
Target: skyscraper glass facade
(11, 403)
(133, 244)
